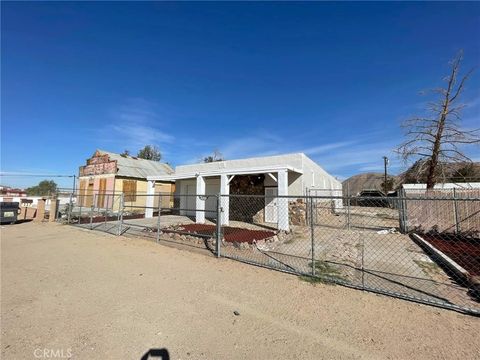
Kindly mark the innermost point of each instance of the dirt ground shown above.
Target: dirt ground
(97, 296)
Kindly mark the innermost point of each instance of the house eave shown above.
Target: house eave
(219, 172)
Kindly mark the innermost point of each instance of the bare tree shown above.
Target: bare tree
(436, 141)
(216, 156)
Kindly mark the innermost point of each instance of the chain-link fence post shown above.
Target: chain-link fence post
(120, 214)
(105, 209)
(455, 212)
(402, 201)
(312, 234)
(92, 208)
(363, 262)
(348, 207)
(158, 220)
(70, 206)
(219, 226)
(80, 209)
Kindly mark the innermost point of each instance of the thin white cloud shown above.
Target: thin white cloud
(257, 144)
(134, 125)
(335, 157)
(327, 147)
(367, 156)
(137, 123)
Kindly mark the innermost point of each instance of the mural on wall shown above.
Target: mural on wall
(98, 164)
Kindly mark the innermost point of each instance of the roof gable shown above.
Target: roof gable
(130, 166)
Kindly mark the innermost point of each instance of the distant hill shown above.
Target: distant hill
(365, 181)
(461, 172)
(448, 172)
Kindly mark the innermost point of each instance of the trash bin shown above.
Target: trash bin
(8, 212)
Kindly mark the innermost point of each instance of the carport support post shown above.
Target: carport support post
(224, 202)
(150, 199)
(200, 201)
(282, 183)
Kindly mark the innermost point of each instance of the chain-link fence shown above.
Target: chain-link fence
(421, 247)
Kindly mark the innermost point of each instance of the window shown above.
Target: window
(130, 190)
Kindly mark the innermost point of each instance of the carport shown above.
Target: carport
(217, 181)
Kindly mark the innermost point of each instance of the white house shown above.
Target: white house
(443, 186)
(283, 175)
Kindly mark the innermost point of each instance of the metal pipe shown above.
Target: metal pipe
(349, 219)
(91, 216)
(106, 211)
(74, 182)
(219, 227)
(70, 205)
(455, 212)
(158, 220)
(312, 236)
(121, 208)
(80, 211)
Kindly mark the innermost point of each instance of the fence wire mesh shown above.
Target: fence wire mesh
(417, 246)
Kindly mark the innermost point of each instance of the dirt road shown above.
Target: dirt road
(87, 295)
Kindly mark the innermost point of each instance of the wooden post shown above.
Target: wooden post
(53, 210)
(40, 215)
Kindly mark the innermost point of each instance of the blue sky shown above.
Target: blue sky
(333, 80)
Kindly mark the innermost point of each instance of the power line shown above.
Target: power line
(36, 175)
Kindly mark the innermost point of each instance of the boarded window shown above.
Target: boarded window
(101, 193)
(83, 186)
(130, 190)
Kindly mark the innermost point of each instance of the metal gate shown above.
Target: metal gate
(98, 211)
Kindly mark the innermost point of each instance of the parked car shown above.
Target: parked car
(372, 198)
(9, 212)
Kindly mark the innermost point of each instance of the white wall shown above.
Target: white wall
(293, 160)
(188, 187)
(316, 177)
(313, 175)
(472, 185)
(320, 183)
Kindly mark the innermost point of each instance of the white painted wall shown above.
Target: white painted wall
(316, 177)
(188, 187)
(313, 175)
(471, 185)
(293, 160)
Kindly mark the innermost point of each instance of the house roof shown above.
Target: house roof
(130, 166)
(257, 165)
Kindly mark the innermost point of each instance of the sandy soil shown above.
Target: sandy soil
(98, 296)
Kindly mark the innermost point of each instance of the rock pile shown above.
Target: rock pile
(298, 212)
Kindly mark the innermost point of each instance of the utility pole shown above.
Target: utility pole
(385, 163)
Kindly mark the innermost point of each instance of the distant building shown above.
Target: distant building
(442, 186)
(107, 174)
(7, 191)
